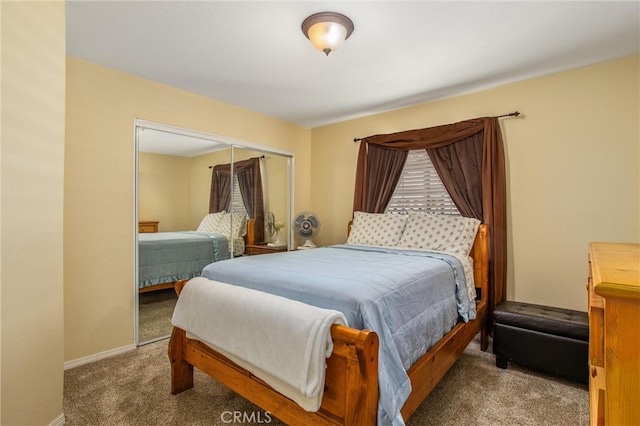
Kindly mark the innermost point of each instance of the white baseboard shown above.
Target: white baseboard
(92, 358)
(59, 421)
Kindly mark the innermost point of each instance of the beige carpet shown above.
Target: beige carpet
(133, 389)
(155, 309)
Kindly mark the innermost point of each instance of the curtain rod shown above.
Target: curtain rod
(262, 156)
(511, 114)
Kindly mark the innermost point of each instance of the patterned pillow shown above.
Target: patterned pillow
(450, 234)
(211, 222)
(239, 225)
(376, 229)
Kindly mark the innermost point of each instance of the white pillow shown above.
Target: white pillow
(449, 234)
(211, 222)
(376, 229)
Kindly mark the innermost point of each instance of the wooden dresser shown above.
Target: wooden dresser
(614, 334)
(147, 227)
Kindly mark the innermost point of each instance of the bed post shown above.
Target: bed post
(250, 237)
(480, 254)
(483, 258)
(181, 371)
(357, 351)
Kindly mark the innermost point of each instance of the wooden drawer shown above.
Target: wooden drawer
(147, 227)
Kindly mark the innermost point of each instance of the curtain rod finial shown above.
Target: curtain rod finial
(511, 114)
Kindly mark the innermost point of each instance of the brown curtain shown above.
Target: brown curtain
(469, 156)
(220, 196)
(459, 166)
(383, 170)
(250, 182)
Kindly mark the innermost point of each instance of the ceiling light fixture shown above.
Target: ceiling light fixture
(327, 30)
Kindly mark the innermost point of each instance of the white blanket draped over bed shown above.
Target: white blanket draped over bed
(283, 342)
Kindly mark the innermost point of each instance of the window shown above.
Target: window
(420, 188)
(237, 204)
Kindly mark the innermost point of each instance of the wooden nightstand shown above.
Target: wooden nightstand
(147, 227)
(253, 249)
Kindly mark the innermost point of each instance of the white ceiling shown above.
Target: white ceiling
(254, 55)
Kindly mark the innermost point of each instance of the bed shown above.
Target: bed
(355, 369)
(167, 257)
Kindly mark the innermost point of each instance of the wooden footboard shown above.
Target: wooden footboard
(157, 287)
(351, 383)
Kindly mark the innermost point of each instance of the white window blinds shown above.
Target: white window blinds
(237, 204)
(420, 188)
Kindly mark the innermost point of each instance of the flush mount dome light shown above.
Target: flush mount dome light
(327, 30)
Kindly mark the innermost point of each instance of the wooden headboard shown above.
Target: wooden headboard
(250, 237)
(480, 255)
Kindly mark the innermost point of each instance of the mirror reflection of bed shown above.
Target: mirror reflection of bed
(177, 234)
(166, 257)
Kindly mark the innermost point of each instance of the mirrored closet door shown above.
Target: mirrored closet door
(189, 208)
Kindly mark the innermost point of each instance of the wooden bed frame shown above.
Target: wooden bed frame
(249, 238)
(351, 382)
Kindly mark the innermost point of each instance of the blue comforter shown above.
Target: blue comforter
(409, 298)
(165, 257)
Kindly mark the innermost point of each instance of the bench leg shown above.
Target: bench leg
(484, 338)
(501, 362)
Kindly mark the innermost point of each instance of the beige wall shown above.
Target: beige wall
(31, 202)
(164, 193)
(572, 167)
(99, 188)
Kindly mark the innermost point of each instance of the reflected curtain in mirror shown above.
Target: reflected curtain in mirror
(250, 183)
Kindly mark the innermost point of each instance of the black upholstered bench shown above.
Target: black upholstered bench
(551, 340)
